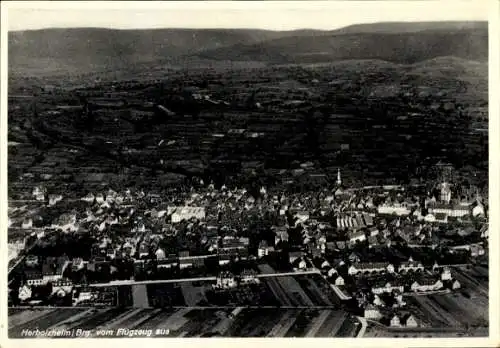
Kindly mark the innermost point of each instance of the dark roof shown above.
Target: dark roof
(440, 216)
(341, 244)
(33, 273)
(167, 261)
(409, 264)
(427, 280)
(297, 261)
(330, 245)
(370, 265)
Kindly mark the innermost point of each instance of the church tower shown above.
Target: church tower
(445, 192)
(339, 179)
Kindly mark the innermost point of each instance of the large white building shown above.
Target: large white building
(451, 210)
(400, 209)
(185, 213)
(357, 236)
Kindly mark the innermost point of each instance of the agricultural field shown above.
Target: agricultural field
(377, 330)
(192, 322)
(287, 291)
(38, 318)
(450, 310)
(318, 290)
(475, 280)
(165, 295)
(253, 295)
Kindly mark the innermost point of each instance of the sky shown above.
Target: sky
(280, 15)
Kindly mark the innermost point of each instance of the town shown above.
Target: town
(338, 199)
(389, 254)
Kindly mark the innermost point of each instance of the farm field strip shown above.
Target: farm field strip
(78, 316)
(140, 296)
(348, 328)
(242, 321)
(291, 285)
(156, 318)
(471, 283)
(143, 318)
(318, 323)
(224, 324)
(199, 322)
(302, 323)
(26, 316)
(320, 293)
(253, 322)
(174, 321)
(278, 291)
(450, 305)
(462, 308)
(101, 318)
(333, 324)
(43, 321)
(119, 320)
(266, 324)
(192, 294)
(131, 317)
(75, 322)
(435, 311)
(428, 315)
(282, 327)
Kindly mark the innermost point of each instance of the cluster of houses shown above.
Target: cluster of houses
(133, 226)
(395, 320)
(227, 280)
(395, 316)
(51, 269)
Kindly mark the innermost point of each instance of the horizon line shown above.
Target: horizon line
(244, 28)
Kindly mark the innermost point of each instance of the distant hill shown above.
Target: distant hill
(409, 27)
(84, 50)
(408, 47)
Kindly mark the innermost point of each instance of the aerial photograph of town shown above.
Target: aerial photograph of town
(200, 181)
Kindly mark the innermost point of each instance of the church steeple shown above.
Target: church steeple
(479, 197)
(445, 192)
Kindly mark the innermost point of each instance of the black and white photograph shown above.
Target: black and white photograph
(247, 169)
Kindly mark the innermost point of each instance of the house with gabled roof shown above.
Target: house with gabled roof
(373, 241)
(294, 255)
(373, 231)
(31, 260)
(339, 280)
(425, 284)
(388, 287)
(370, 268)
(410, 266)
(299, 264)
(408, 320)
(484, 231)
(354, 257)
(372, 312)
(395, 321)
(331, 272)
